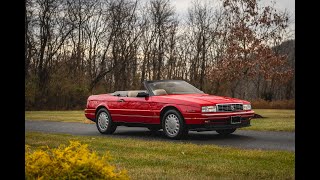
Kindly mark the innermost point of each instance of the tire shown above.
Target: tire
(154, 129)
(104, 122)
(226, 131)
(173, 125)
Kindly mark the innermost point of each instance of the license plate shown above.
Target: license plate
(235, 119)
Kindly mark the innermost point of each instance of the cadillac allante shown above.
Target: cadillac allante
(174, 106)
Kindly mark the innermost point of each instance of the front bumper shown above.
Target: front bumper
(217, 120)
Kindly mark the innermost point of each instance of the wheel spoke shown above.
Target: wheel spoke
(103, 121)
(172, 125)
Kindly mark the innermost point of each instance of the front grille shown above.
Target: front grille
(229, 107)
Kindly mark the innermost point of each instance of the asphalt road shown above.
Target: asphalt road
(240, 138)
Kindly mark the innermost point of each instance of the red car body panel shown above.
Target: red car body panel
(147, 110)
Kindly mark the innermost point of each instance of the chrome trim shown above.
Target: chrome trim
(225, 104)
(196, 118)
(229, 103)
(135, 116)
(229, 113)
(129, 110)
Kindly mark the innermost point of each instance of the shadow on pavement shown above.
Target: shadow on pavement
(191, 137)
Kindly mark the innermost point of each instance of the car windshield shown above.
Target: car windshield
(172, 87)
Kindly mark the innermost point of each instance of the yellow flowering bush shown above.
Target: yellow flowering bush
(75, 161)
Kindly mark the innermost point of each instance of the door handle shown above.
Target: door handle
(121, 100)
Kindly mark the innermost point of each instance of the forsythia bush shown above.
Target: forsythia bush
(69, 162)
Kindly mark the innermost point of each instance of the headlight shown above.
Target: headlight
(247, 107)
(208, 109)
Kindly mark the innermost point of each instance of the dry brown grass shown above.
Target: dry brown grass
(62, 116)
(279, 104)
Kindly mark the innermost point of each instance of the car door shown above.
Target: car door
(134, 109)
(115, 106)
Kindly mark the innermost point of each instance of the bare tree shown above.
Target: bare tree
(79, 47)
(161, 15)
(49, 30)
(203, 23)
(79, 13)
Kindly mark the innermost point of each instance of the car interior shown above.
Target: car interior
(131, 93)
(134, 93)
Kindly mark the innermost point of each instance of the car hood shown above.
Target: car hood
(204, 99)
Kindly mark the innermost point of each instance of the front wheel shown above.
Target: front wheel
(226, 131)
(173, 125)
(104, 122)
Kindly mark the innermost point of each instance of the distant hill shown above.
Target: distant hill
(288, 48)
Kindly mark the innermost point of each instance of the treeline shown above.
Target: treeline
(75, 48)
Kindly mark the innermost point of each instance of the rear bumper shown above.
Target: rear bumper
(90, 114)
(215, 121)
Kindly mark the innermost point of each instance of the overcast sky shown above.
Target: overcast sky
(181, 7)
(289, 5)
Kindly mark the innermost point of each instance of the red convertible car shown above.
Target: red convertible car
(172, 105)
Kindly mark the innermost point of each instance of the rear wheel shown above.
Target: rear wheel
(173, 125)
(104, 122)
(226, 131)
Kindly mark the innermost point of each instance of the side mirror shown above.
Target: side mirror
(143, 94)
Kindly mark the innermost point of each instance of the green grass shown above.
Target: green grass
(168, 160)
(275, 119)
(63, 116)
